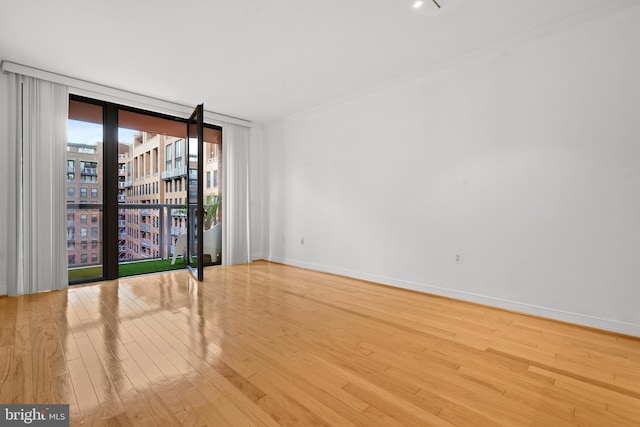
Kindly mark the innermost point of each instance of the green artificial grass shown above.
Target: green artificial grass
(79, 274)
(127, 269)
(144, 267)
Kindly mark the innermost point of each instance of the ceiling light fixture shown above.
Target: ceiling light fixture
(417, 4)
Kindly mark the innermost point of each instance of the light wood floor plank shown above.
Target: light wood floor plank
(270, 345)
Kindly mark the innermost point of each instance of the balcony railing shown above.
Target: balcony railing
(178, 231)
(174, 173)
(131, 246)
(89, 171)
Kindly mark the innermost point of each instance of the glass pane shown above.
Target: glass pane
(152, 194)
(84, 191)
(192, 189)
(212, 236)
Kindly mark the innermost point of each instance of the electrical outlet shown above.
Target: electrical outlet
(458, 258)
(302, 240)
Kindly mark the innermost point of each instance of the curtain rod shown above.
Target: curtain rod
(107, 93)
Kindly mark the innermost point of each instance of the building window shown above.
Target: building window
(83, 219)
(83, 258)
(94, 193)
(72, 259)
(71, 192)
(83, 245)
(70, 177)
(71, 245)
(88, 168)
(94, 231)
(168, 156)
(94, 219)
(94, 244)
(94, 257)
(83, 232)
(83, 192)
(215, 178)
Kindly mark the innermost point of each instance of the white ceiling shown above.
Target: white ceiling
(265, 59)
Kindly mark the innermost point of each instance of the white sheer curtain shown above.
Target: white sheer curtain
(36, 236)
(236, 247)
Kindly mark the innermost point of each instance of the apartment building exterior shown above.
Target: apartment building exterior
(157, 174)
(124, 151)
(84, 204)
(142, 187)
(152, 170)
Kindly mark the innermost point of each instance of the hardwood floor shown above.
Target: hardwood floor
(266, 344)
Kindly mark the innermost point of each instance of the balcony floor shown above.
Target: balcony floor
(128, 268)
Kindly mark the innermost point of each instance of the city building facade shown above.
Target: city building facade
(153, 185)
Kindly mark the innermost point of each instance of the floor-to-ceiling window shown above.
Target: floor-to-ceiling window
(127, 190)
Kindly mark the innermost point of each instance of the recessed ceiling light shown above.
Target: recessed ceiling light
(417, 4)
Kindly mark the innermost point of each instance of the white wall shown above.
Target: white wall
(257, 194)
(4, 178)
(526, 160)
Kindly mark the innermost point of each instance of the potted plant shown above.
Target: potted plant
(211, 206)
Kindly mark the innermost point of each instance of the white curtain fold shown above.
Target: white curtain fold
(236, 248)
(37, 258)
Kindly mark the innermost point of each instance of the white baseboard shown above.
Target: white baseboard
(547, 312)
(3, 289)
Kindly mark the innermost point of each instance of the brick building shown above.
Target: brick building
(84, 209)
